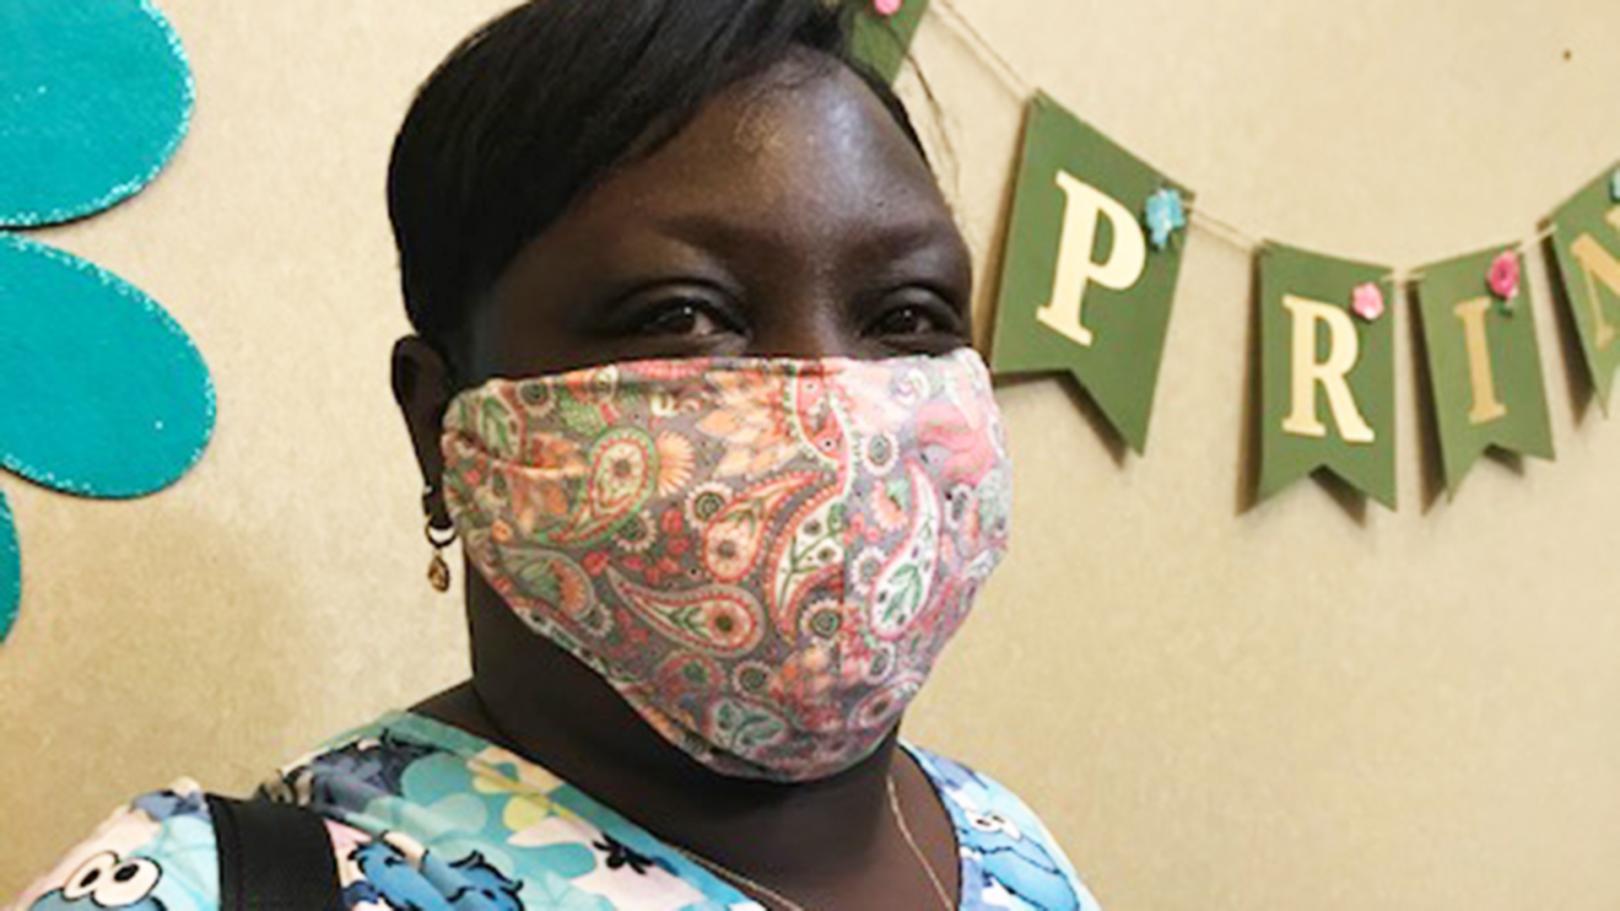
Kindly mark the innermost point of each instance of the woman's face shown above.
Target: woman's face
(791, 217)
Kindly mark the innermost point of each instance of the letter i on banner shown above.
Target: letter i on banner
(1586, 243)
(1090, 268)
(1484, 368)
(1327, 372)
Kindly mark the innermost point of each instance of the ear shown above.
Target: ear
(423, 390)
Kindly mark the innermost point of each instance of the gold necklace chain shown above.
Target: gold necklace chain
(900, 822)
(905, 830)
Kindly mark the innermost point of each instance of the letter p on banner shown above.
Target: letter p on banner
(1083, 289)
(1327, 372)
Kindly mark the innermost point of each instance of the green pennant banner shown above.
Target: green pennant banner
(1586, 242)
(1327, 372)
(882, 42)
(1484, 368)
(1090, 267)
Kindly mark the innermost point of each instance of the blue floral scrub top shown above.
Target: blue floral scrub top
(426, 817)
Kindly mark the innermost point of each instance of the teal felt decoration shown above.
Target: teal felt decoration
(102, 394)
(105, 396)
(95, 96)
(10, 571)
(1165, 215)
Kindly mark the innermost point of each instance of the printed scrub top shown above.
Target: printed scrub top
(426, 817)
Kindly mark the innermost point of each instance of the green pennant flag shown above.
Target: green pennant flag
(1090, 268)
(1484, 368)
(882, 42)
(1327, 372)
(1586, 242)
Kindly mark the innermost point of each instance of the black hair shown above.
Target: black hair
(536, 106)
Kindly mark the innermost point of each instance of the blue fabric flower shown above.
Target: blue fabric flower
(460, 818)
(102, 394)
(1165, 215)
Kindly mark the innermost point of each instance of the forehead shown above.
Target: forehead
(804, 151)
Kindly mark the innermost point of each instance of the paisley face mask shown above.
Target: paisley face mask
(763, 556)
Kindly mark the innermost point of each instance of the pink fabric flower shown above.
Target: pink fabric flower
(1504, 276)
(1367, 301)
(887, 7)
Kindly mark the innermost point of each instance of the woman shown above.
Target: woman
(691, 381)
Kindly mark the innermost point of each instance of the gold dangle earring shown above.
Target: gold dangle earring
(438, 572)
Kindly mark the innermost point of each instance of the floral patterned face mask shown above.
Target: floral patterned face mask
(764, 556)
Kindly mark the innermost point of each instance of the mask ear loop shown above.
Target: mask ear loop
(438, 571)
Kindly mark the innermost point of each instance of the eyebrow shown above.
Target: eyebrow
(892, 239)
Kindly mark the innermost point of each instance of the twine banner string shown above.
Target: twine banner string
(1219, 228)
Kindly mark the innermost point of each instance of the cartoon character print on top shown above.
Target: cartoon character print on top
(107, 881)
(764, 556)
(485, 885)
(157, 854)
(463, 825)
(1009, 859)
(363, 769)
(388, 877)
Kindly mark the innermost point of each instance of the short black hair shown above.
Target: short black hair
(534, 107)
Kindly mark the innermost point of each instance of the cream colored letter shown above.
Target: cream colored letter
(1084, 207)
(1487, 407)
(1343, 351)
(1598, 264)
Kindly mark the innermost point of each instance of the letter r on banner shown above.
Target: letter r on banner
(1314, 352)
(1308, 372)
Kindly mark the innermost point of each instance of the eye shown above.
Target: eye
(90, 874)
(987, 822)
(128, 883)
(683, 316)
(907, 320)
(919, 314)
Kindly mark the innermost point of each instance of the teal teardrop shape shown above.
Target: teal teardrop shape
(102, 394)
(10, 571)
(95, 97)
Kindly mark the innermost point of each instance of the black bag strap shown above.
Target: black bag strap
(273, 857)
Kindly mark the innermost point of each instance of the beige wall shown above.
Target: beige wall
(1287, 709)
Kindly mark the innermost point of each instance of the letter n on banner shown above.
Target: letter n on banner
(1327, 374)
(1082, 289)
(1484, 367)
(1586, 244)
